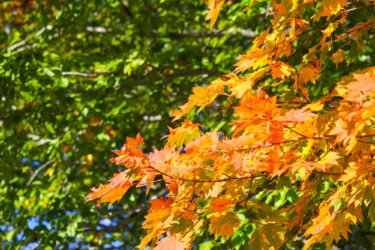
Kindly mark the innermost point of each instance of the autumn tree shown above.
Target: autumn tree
(76, 77)
(290, 160)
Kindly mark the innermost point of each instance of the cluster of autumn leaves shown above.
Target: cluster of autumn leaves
(275, 137)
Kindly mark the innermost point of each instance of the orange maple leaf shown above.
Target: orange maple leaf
(214, 7)
(224, 225)
(295, 115)
(183, 134)
(114, 190)
(170, 243)
(363, 86)
(219, 205)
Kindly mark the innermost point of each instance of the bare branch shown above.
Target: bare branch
(16, 46)
(213, 33)
(38, 171)
(81, 74)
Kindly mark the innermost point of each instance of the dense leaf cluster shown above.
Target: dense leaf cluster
(293, 163)
(75, 78)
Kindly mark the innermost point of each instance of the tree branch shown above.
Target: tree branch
(38, 171)
(81, 74)
(212, 33)
(229, 178)
(23, 42)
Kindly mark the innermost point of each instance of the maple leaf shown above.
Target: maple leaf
(315, 106)
(281, 70)
(170, 243)
(330, 7)
(340, 130)
(267, 237)
(201, 97)
(114, 190)
(279, 11)
(295, 115)
(162, 159)
(184, 134)
(134, 145)
(214, 7)
(310, 72)
(363, 86)
(220, 205)
(224, 225)
(131, 153)
(156, 219)
(242, 86)
(330, 158)
(330, 29)
(161, 203)
(329, 226)
(354, 172)
(255, 58)
(338, 57)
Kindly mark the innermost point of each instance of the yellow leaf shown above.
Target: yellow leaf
(331, 158)
(281, 70)
(224, 225)
(201, 97)
(214, 7)
(329, 8)
(315, 107)
(159, 212)
(89, 159)
(184, 134)
(330, 29)
(310, 72)
(338, 57)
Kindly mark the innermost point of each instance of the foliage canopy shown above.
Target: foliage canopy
(75, 78)
(292, 153)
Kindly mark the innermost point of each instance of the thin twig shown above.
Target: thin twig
(23, 42)
(230, 178)
(38, 171)
(81, 74)
(326, 173)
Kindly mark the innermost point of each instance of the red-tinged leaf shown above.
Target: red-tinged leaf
(163, 160)
(362, 87)
(131, 153)
(156, 219)
(281, 70)
(161, 203)
(114, 190)
(338, 57)
(170, 243)
(134, 145)
(224, 225)
(340, 130)
(220, 205)
(279, 11)
(295, 115)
